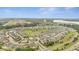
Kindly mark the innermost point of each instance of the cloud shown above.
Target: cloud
(47, 10)
(7, 11)
(45, 13)
(68, 8)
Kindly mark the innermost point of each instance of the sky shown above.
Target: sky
(39, 12)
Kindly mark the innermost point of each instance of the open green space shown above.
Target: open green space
(34, 32)
(66, 42)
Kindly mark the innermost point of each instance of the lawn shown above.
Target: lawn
(66, 40)
(34, 32)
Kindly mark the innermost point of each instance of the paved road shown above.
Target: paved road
(10, 38)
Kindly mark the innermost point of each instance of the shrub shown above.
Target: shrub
(25, 49)
(66, 44)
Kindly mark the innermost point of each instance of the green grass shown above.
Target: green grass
(66, 39)
(74, 44)
(34, 32)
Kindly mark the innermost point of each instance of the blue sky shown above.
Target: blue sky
(39, 12)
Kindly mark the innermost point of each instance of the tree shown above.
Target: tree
(25, 49)
(75, 39)
(66, 44)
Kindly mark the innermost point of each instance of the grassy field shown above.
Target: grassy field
(74, 45)
(34, 32)
(66, 42)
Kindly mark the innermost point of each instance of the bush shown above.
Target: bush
(0, 47)
(25, 49)
(66, 44)
(75, 39)
(56, 49)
